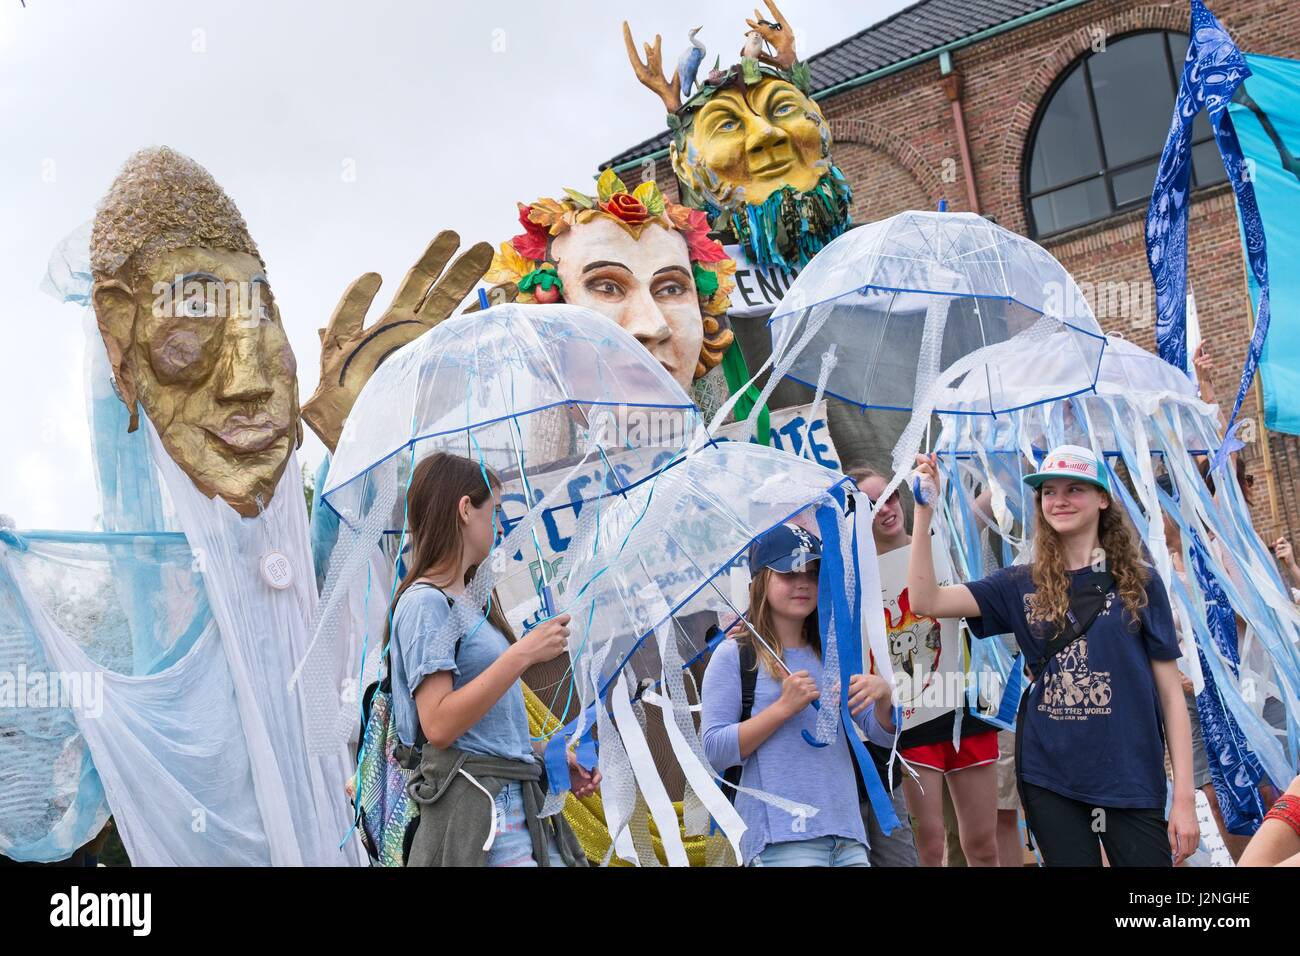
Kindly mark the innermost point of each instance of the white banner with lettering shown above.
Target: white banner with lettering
(801, 431)
(758, 290)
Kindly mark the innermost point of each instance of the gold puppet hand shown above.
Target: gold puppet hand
(350, 352)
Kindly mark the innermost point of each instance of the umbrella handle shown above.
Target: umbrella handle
(922, 491)
(808, 738)
(545, 613)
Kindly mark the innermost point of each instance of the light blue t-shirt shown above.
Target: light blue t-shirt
(417, 621)
(785, 764)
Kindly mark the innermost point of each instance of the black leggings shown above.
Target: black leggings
(1067, 832)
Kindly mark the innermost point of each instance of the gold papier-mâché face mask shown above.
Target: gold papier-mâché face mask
(197, 341)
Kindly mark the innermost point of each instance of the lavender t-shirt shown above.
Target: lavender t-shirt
(784, 765)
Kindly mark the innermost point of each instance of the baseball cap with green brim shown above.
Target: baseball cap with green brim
(1070, 461)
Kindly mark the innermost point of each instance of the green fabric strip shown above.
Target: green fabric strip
(736, 369)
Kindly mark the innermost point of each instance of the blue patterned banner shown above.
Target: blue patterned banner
(1213, 70)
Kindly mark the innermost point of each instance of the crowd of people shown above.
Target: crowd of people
(1093, 787)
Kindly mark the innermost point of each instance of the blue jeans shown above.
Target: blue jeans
(513, 845)
(819, 851)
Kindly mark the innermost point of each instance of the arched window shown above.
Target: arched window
(1097, 139)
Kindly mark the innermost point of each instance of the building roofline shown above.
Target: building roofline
(872, 75)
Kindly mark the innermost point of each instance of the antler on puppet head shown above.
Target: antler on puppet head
(651, 72)
(780, 34)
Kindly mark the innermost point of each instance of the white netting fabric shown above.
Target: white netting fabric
(166, 734)
(265, 633)
(121, 605)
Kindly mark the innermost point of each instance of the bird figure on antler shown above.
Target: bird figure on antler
(688, 64)
(779, 34)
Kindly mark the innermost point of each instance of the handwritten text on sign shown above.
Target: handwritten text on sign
(800, 431)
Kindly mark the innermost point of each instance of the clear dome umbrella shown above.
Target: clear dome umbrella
(531, 392)
(1028, 376)
(519, 387)
(659, 578)
(567, 409)
(896, 301)
(889, 314)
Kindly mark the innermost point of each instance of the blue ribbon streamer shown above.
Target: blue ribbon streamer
(847, 627)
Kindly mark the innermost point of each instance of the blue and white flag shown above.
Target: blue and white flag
(1213, 70)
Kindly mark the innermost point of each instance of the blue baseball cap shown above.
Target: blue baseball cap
(785, 548)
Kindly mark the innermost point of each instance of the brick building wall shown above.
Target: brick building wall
(896, 141)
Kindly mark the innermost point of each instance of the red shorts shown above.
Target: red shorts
(976, 751)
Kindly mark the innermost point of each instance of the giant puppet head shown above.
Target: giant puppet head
(646, 263)
(191, 328)
(750, 146)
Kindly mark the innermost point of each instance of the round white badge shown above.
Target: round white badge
(276, 570)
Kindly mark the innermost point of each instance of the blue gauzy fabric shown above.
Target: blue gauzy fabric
(1213, 70)
(1235, 771)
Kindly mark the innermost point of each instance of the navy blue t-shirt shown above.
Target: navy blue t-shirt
(1093, 727)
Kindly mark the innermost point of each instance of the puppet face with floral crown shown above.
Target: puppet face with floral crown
(750, 146)
(645, 263)
(192, 330)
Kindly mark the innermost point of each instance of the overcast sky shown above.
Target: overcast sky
(446, 112)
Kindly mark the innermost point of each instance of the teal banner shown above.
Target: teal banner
(1267, 119)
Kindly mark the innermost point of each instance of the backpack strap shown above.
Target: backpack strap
(413, 756)
(748, 681)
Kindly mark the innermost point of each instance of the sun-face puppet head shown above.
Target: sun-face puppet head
(646, 263)
(751, 147)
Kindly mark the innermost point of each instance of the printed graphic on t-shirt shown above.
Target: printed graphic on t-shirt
(925, 652)
(1072, 690)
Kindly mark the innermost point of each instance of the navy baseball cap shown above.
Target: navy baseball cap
(785, 548)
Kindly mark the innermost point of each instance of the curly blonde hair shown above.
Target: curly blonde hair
(160, 201)
(1051, 598)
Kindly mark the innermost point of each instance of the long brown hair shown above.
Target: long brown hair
(760, 618)
(437, 540)
(1051, 598)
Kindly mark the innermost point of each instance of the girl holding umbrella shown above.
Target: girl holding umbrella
(1095, 624)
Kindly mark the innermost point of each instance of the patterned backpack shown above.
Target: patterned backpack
(386, 816)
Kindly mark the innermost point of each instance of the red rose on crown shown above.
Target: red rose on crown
(626, 207)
